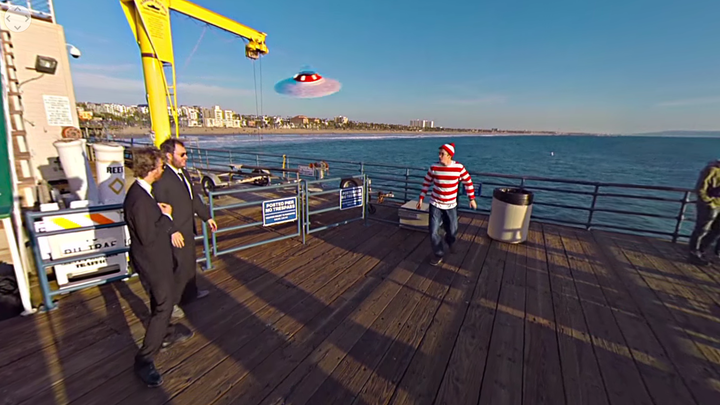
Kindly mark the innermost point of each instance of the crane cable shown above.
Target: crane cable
(258, 111)
(195, 48)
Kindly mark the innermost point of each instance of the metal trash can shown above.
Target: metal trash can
(510, 215)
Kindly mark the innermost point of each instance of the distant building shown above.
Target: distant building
(299, 120)
(421, 124)
(341, 120)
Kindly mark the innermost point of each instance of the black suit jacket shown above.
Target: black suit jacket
(150, 230)
(171, 190)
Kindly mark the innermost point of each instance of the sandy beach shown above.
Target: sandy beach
(137, 132)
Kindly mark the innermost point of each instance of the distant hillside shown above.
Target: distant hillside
(694, 134)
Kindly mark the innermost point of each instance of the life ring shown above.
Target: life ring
(323, 165)
(71, 133)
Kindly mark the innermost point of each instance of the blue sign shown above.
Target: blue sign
(279, 211)
(351, 197)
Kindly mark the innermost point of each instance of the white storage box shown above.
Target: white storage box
(412, 218)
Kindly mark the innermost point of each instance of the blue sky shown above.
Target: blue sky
(575, 65)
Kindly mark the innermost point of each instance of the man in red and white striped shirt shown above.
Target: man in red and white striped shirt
(445, 177)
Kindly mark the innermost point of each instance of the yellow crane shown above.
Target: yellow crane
(150, 22)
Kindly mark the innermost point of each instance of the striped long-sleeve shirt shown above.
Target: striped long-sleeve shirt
(445, 182)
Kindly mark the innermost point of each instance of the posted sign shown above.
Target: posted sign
(279, 211)
(351, 197)
(306, 170)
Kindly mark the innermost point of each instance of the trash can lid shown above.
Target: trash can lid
(514, 196)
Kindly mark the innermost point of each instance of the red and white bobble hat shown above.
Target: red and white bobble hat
(449, 148)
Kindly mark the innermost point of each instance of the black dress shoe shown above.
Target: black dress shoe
(148, 374)
(181, 334)
(436, 261)
(202, 294)
(697, 259)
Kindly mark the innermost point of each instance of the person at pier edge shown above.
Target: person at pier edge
(150, 224)
(445, 177)
(174, 188)
(707, 223)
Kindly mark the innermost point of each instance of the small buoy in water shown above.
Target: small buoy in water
(552, 153)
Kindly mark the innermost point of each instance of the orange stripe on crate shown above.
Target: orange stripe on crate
(101, 219)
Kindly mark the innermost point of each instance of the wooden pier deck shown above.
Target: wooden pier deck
(358, 316)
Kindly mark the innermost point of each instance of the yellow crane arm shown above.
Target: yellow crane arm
(256, 39)
(150, 23)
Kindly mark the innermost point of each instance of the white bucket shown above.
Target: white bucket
(110, 171)
(77, 168)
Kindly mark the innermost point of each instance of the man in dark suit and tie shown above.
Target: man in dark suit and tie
(150, 225)
(175, 188)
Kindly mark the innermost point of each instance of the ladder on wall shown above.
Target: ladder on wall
(26, 182)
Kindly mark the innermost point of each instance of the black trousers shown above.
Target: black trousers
(707, 228)
(160, 286)
(185, 269)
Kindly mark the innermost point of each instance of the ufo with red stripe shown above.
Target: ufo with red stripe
(308, 84)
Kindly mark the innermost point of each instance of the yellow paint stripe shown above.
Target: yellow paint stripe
(65, 223)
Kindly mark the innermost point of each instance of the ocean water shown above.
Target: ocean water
(653, 161)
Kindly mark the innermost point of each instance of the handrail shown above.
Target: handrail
(44, 11)
(297, 187)
(598, 198)
(308, 212)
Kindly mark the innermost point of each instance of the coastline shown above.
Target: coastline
(140, 132)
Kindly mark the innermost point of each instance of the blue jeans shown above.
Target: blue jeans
(449, 220)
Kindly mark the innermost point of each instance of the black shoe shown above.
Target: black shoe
(451, 248)
(436, 261)
(202, 294)
(148, 374)
(180, 335)
(177, 313)
(697, 259)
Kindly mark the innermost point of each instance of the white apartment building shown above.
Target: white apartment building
(421, 124)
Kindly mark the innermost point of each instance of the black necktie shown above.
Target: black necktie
(185, 182)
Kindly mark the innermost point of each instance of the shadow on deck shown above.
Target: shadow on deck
(357, 316)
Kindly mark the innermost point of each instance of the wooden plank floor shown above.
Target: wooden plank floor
(358, 316)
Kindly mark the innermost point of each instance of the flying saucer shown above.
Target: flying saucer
(308, 84)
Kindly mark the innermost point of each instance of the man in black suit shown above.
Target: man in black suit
(174, 188)
(150, 225)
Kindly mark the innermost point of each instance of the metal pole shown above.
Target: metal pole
(298, 202)
(51, 8)
(212, 215)
(20, 270)
(681, 216)
(206, 246)
(307, 208)
(407, 180)
(364, 200)
(592, 208)
(41, 270)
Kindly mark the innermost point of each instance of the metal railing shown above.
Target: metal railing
(578, 203)
(214, 208)
(42, 9)
(630, 208)
(42, 264)
(349, 194)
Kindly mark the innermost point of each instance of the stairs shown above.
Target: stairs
(26, 182)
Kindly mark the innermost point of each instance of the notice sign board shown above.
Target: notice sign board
(279, 211)
(351, 197)
(57, 111)
(306, 170)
